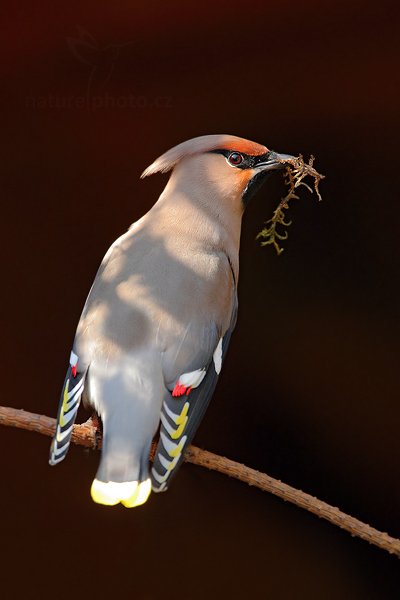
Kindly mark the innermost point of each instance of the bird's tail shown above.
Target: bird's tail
(123, 472)
(128, 428)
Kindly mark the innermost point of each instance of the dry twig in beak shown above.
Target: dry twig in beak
(296, 170)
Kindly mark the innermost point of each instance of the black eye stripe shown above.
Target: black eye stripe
(248, 162)
(245, 161)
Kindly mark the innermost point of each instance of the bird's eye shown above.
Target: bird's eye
(235, 159)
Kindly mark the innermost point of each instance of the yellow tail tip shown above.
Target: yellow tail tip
(129, 493)
(140, 496)
(111, 492)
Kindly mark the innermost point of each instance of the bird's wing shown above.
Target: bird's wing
(68, 407)
(183, 409)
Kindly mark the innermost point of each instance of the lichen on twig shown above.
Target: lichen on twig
(295, 172)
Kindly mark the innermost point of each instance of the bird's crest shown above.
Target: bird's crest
(199, 145)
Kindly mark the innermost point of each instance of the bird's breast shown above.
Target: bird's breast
(149, 291)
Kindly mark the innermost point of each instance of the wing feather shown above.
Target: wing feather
(181, 416)
(67, 410)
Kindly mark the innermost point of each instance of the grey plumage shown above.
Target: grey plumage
(159, 316)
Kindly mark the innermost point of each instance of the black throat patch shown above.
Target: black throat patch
(253, 186)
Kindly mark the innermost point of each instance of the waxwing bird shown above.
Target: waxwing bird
(157, 322)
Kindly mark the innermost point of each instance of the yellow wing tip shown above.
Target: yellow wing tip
(129, 493)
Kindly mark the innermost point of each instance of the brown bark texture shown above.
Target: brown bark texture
(87, 434)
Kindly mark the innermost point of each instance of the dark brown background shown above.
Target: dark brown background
(309, 389)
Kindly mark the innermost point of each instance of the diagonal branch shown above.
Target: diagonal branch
(88, 435)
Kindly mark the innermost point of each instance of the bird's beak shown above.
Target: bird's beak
(273, 161)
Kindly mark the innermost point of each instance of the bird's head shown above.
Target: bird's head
(223, 166)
